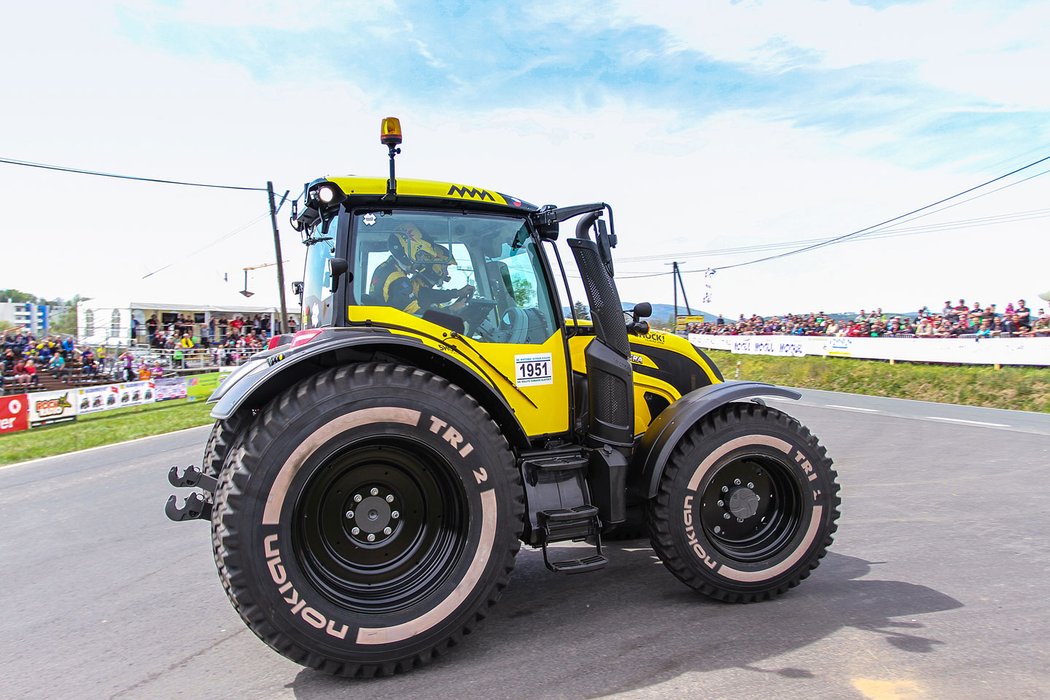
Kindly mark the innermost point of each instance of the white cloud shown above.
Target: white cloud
(989, 51)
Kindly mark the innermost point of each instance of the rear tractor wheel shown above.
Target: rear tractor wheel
(367, 520)
(747, 505)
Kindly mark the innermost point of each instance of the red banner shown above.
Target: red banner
(14, 413)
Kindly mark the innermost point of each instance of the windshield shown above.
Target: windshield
(317, 279)
(472, 273)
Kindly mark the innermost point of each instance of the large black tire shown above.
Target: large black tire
(224, 435)
(747, 505)
(368, 520)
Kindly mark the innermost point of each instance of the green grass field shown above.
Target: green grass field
(103, 428)
(1017, 388)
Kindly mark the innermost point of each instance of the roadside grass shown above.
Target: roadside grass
(1014, 388)
(104, 428)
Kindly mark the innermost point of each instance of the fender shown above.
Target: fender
(660, 439)
(272, 371)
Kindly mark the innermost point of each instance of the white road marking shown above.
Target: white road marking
(853, 408)
(968, 422)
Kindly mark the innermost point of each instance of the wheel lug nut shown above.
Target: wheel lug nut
(718, 529)
(725, 489)
(751, 484)
(371, 537)
(395, 515)
(387, 531)
(349, 514)
(740, 520)
(357, 498)
(356, 531)
(721, 504)
(390, 498)
(725, 515)
(736, 481)
(374, 491)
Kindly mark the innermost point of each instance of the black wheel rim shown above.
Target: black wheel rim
(750, 508)
(378, 527)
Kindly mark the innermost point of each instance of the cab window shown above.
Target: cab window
(476, 274)
(317, 279)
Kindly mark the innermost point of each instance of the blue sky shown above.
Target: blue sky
(707, 125)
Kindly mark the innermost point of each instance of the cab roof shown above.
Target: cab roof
(369, 187)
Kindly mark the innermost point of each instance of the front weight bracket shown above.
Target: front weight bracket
(196, 507)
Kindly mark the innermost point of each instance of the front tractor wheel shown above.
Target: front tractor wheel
(747, 505)
(367, 520)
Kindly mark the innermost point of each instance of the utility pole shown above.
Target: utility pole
(283, 326)
(676, 280)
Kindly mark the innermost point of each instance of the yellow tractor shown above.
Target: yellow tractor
(371, 477)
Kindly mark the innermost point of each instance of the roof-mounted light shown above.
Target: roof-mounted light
(323, 193)
(326, 193)
(390, 131)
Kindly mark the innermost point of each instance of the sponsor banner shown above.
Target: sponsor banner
(986, 351)
(201, 386)
(135, 393)
(93, 398)
(47, 407)
(170, 388)
(14, 413)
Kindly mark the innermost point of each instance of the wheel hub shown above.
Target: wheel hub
(372, 515)
(743, 503)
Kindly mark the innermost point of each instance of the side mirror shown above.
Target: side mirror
(641, 310)
(336, 268)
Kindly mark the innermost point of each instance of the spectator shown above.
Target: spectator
(128, 364)
(58, 367)
(1023, 316)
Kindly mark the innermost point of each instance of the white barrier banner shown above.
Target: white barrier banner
(47, 407)
(986, 351)
(136, 393)
(93, 398)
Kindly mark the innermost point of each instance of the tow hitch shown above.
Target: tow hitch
(197, 506)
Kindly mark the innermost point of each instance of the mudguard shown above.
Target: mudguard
(663, 434)
(270, 372)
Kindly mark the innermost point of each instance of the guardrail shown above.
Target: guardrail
(970, 351)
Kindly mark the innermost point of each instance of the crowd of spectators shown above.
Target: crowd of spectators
(952, 321)
(25, 358)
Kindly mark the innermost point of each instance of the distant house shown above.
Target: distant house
(120, 322)
(36, 318)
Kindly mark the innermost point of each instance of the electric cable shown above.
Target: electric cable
(217, 241)
(81, 171)
(866, 229)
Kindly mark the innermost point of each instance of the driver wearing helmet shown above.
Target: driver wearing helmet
(406, 279)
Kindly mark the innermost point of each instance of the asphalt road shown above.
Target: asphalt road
(937, 586)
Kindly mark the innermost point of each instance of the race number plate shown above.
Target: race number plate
(530, 370)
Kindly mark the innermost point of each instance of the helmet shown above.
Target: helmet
(435, 271)
(405, 245)
(414, 254)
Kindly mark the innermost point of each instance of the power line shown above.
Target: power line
(81, 171)
(232, 233)
(866, 229)
(884, 232)
(888, 232)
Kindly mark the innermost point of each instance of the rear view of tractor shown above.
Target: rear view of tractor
(370, 479)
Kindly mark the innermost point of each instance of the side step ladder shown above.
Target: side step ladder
(576, 523)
